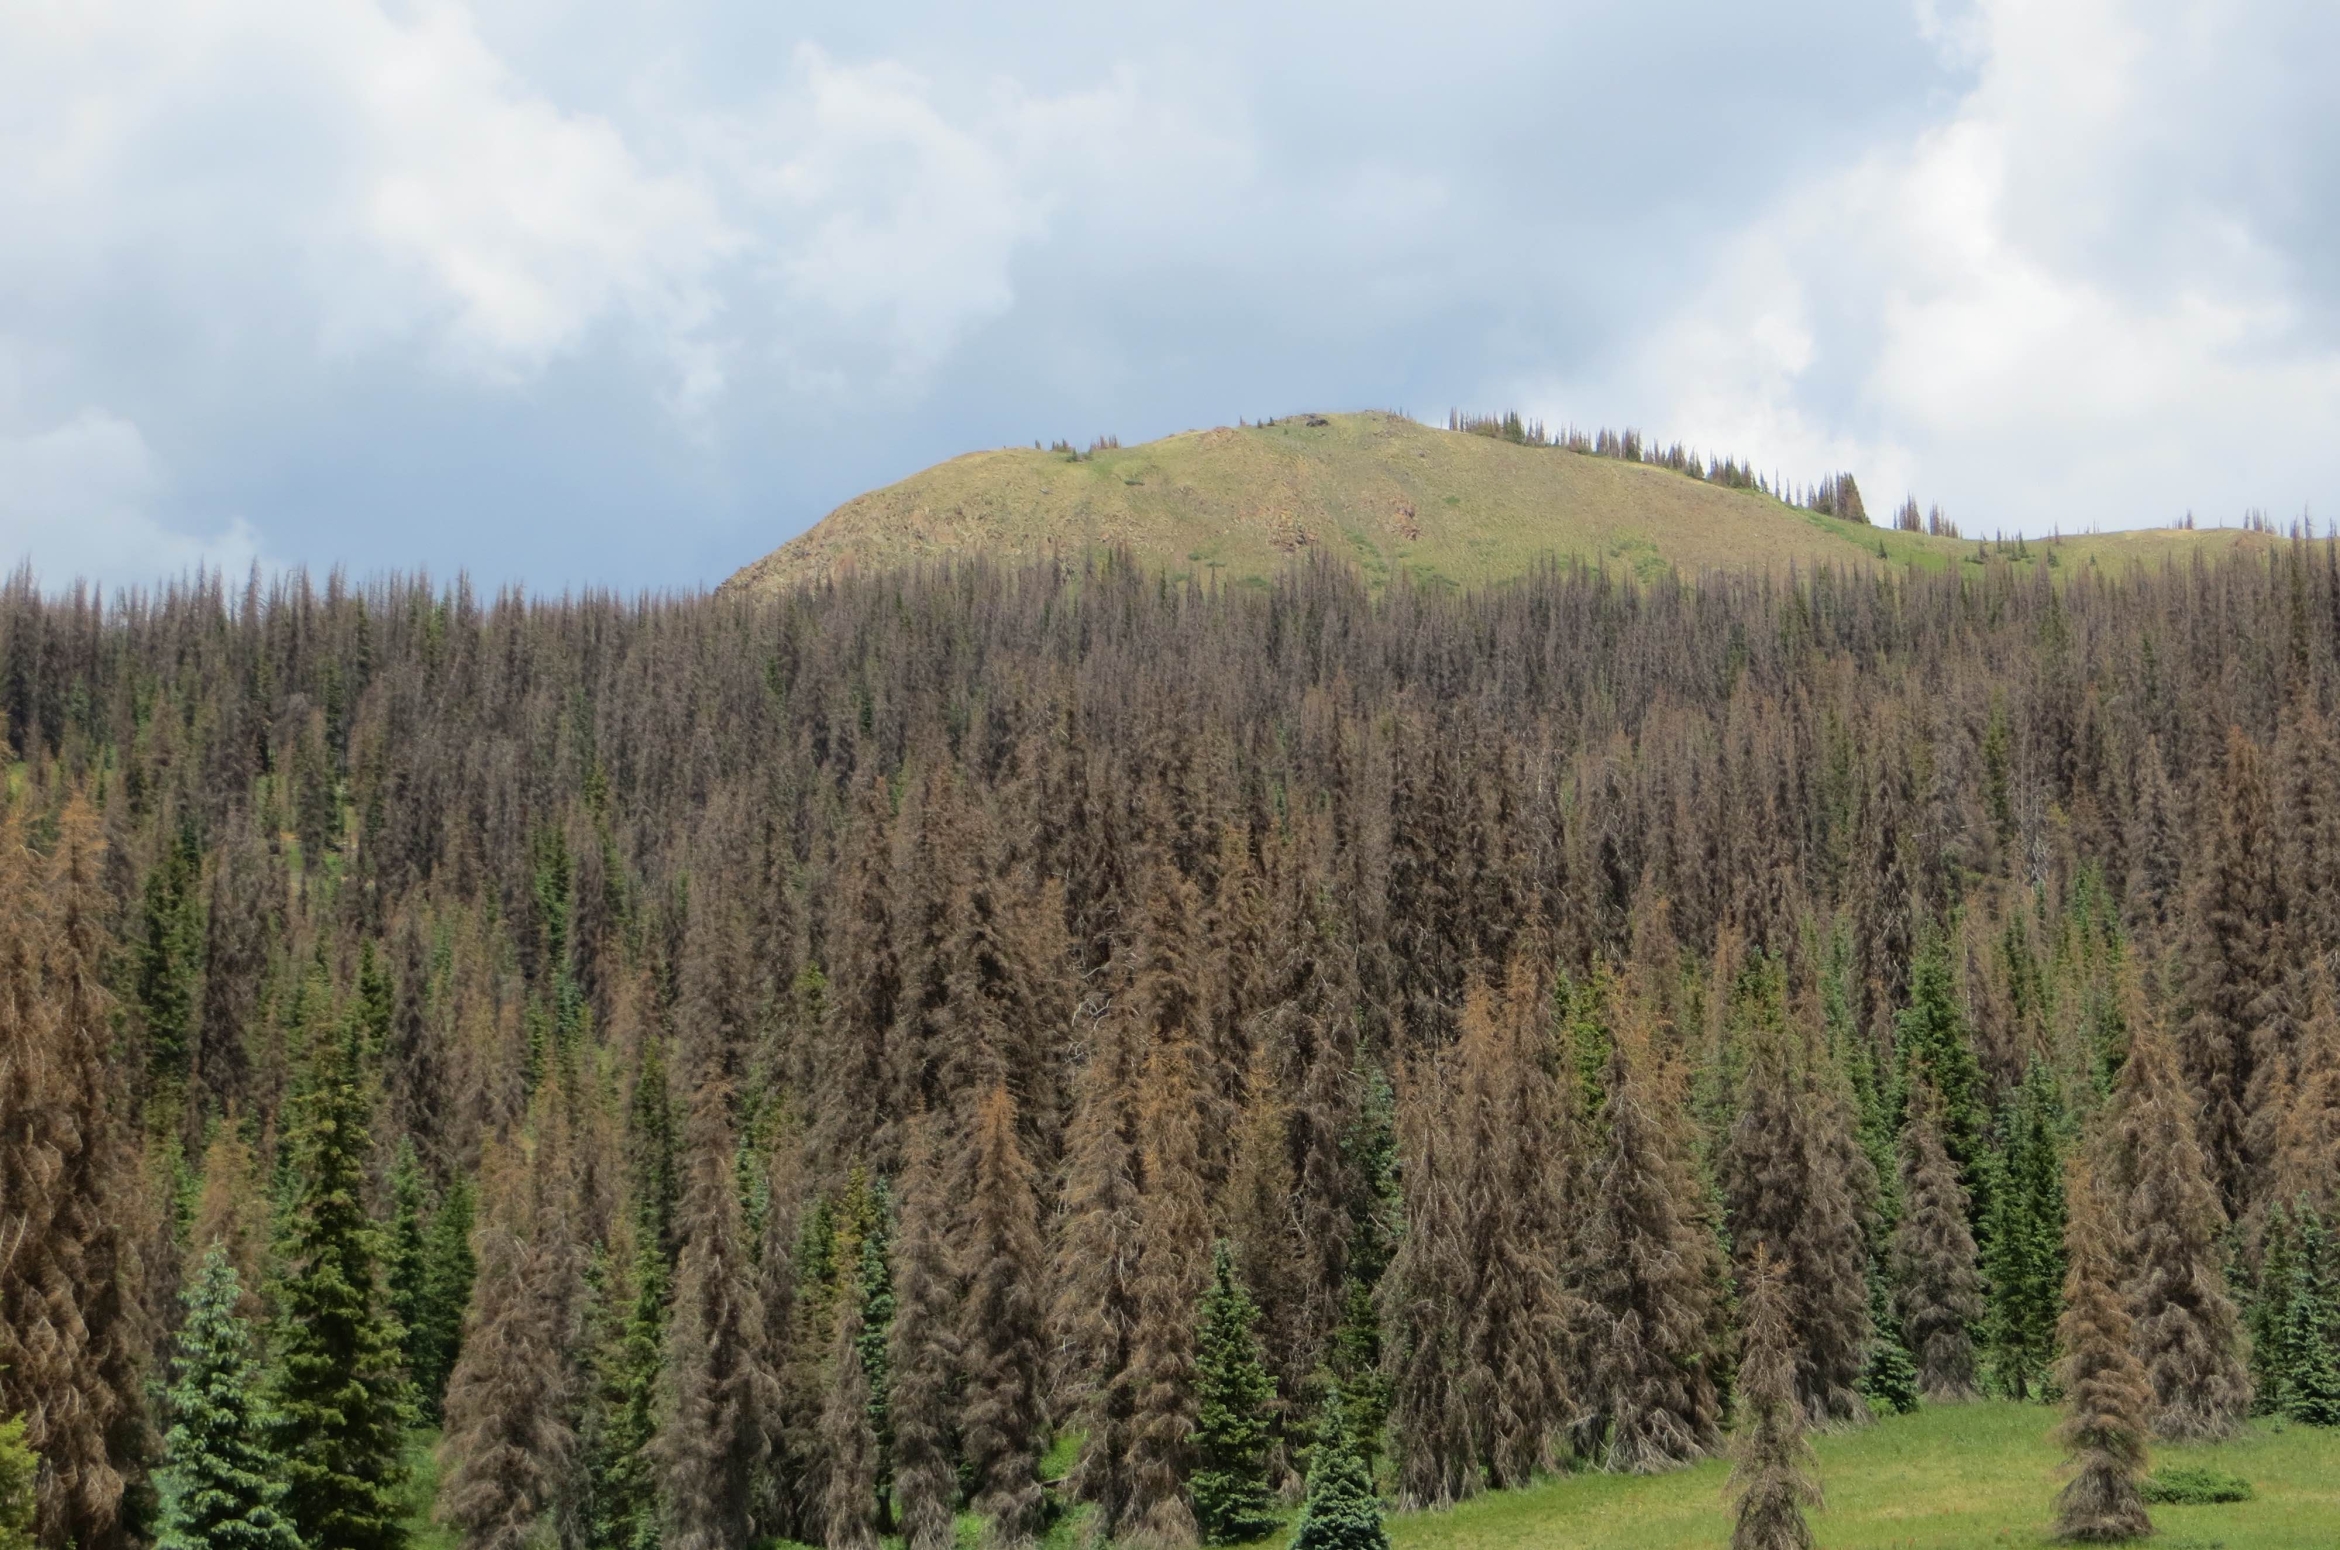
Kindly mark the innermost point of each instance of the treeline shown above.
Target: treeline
(1837, 495)
(1017, 1041)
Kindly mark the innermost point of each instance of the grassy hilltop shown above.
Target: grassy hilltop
(1383, 492)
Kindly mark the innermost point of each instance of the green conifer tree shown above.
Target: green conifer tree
(341, 1400)
(1341, 1512)
(1233, 1418)
(406, 1257)
(170, 956)
(2311, 1328)
(448, 1269)
(1935, 1041)
(2023, 1261)
(620, 1471)
(2270, 1312)
(222, 1484)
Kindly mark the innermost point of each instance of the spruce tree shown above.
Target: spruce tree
(923, 1353)
(1933, 1257)
(1340, 1512)
(341, 1398)
(711, 1439)
(1651, 1277)
(2310, 1332)
(1234, 1400)
(621, 1473)
(1772, 1480)
(1422, 1309)
(2307, 1145)
(2270, 1311)
(406, 1262)
(2230, 965)
(448, 1269)
(2106, 1392)
(1935, 1043)
(848, 1440)
(2024, 1265)
(222, 1484)
(169, 959)
(1172, 1233)
(73, 1318)
(508, 1438)
(1514, 1120)
(1787, 1181)
(2187, 1333)
(1000, 1333)
(1891, 1378)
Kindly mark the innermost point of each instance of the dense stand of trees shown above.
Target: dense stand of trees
(747, 1068)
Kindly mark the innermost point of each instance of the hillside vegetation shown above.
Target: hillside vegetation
(1379, 491)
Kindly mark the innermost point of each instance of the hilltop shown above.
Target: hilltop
(1381, 491)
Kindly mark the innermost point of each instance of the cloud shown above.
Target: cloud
(77, 497)
(2045, 309)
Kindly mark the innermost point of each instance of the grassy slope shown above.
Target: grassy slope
(1943, 1479)
(1973, 1477)
(1378, 490)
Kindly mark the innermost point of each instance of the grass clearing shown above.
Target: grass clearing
(1967, 1477)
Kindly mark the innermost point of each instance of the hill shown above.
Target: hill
(1381, 491)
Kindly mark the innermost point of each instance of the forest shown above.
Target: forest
(1014, 1049)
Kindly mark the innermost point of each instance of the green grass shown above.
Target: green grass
(1954, 1478)
(422, 1488)
(1390, 496)
(1968, 1477)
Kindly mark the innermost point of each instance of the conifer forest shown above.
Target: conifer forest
(1012, 1050)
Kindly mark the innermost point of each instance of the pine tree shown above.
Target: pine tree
(2024, 1266)
(2307, 1147)
(1340, 1512)
(1172, 1232)
(1652, 1272)
(341, 1399)
(848, 1441)
(406, 1263)
(2229, 965)
(1422, 1310)
(1891, 1378)
(1263, 1231)
(2186, 1330)
(1000, 1333)
(1100, 1250)
(73, 1322)
(222, 1485)
(169, 959)
(508, 1438)
(1772, 1480)
(2106, 1392)
(710, 1443)
(1785, 1179)
(1935, 1042)
(2270, 1311)
(923, 1353)
(1234, 1400)
(621, 1472)
(1520, 1153)
(1934, 1258)
(448, 1269)
(2310, 1334)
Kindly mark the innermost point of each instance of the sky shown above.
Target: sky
(583, 295)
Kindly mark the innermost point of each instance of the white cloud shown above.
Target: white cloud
(2043, 309)
(76, 498)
